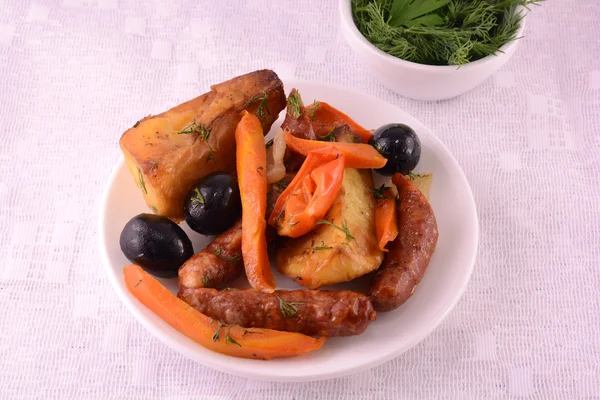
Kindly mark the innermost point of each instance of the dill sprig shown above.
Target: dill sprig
(141, 180)
(197, 198)
(330, 137)
(262, 107)
(294, 105)
(311, 110)
(439, 32)
(379, 193)
(343, 228)
(228, 339)
(288, 309)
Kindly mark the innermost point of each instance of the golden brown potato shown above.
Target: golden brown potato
(423, 183)
(343, 249)
(167, 153)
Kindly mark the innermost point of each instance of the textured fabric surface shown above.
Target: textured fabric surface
(74, 74)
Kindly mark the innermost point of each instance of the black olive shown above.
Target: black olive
(213, 205)
(400, 145)
(156, 243)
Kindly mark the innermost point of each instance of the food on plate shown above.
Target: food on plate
(358, 155)
(207, 161)
(275, 153)
(423, 182)
(251, 158)
(213, 204)
(312, 312)
(324, 118)
(218, 264)
(400, 145)
(405, 263)
(386, 223)
(310, 194)
(439, 32)
(156, 243)
(169, 152)
(298, 120)
(344, 245)
(215, 335)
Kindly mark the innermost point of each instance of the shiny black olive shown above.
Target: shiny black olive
(156, 243)
(400, 145)
(213, 204)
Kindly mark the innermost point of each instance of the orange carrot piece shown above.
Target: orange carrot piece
(358, 155)
(386, 223)
(232, 340)
(251, 158)
(327, 117)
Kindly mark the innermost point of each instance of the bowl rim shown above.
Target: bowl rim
(345, 10)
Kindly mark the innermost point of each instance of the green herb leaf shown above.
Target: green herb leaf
(439, 32)
(229, 339)
(141, 180)
(236, 257)
(330, 137)
(205, 280)
(197, 198)
(405, 11)
(379, 193)
(262, 107)
(288, 309)
(218, 251)
(343, 228)
(312, 109)
(322, 247)
(138, 282)
(294, 105)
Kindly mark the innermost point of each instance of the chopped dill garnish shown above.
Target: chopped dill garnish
(439, 32)
(294, 105)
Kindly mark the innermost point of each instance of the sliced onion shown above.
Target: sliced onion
(275, 153)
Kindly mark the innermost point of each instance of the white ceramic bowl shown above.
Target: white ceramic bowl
(420, 81)
(394, 332)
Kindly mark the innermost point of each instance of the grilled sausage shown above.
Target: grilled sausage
(219, 263)
(408, 256)
(312, 312)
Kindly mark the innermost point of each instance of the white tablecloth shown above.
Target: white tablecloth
(74, 74)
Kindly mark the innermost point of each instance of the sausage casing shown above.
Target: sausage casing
(409, 254)
(219, 263)
(312, 312)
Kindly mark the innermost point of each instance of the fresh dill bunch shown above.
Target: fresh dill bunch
(439, 32)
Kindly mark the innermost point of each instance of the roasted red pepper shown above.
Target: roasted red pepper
(325, 117)
(311, 193)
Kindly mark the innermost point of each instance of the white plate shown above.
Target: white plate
(394, 332)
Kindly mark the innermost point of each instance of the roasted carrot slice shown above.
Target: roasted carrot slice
(310, 194)
(358, 155)
(386, 223)
(325, 117)
(231, 340)
(251, 158)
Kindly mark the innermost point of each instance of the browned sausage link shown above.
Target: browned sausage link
(219, 263)
(408, 256)
(312, 312)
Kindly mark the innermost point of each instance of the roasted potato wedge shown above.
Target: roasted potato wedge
(423, 183)
(345, 247)
(167, 153)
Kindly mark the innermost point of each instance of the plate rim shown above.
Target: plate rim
(248, 373)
